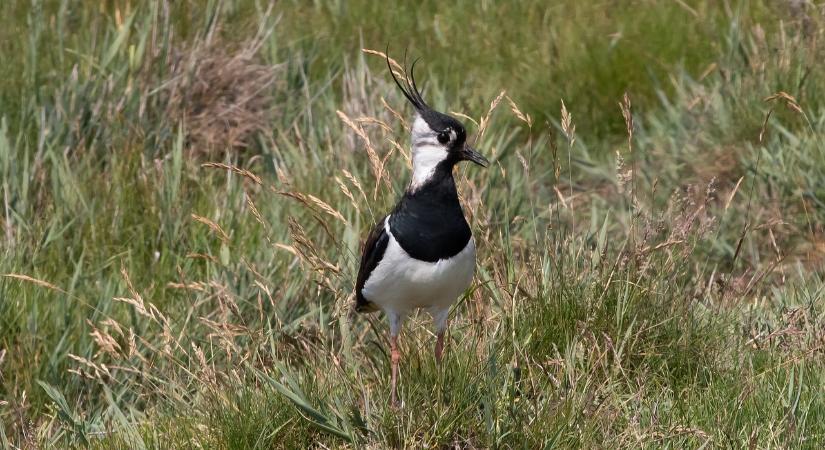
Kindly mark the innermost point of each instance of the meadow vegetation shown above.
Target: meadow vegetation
(184, 187)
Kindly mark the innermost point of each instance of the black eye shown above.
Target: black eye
(443, 137)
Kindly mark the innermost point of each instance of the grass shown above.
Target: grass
(185, 187)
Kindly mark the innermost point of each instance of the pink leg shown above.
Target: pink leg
(439, 347)
(395, 356)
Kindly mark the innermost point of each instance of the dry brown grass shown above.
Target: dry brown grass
(222, 93)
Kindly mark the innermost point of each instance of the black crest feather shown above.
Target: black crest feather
(437, 121)
(409, 87)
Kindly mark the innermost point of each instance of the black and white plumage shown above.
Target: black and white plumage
(422, 254)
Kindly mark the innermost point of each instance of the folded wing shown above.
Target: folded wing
(370, 257)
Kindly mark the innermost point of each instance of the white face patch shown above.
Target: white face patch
(427, 152)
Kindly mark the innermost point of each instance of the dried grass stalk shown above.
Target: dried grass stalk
(213, 226)
(42, 283)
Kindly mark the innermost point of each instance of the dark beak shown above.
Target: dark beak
(470, 154)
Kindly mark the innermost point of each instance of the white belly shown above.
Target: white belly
(400, 283)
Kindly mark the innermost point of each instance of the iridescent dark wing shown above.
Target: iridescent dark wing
(370, 257)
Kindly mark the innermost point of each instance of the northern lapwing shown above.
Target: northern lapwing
(422, 254)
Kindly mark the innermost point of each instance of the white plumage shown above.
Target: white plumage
(401, 284)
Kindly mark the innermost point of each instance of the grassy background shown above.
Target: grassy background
(647, 279)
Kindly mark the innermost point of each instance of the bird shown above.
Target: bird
(422, 254)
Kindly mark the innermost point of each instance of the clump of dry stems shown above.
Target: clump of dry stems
(222, 94)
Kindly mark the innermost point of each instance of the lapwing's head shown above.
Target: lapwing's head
(437, 138)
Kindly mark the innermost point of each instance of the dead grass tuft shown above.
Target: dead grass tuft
(223, 96)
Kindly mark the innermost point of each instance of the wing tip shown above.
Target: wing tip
(364, 306)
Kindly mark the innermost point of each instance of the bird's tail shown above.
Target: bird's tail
(364, 306)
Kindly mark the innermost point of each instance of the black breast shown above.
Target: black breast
(429, 223)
